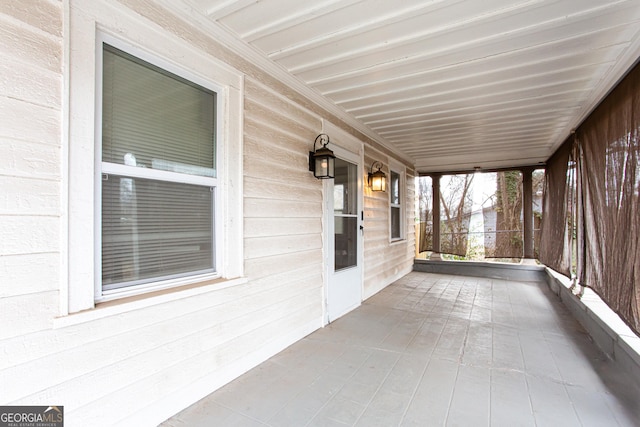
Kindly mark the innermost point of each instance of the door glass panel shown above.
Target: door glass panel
(346, 249)
(345, 210)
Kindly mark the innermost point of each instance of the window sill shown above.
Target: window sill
(127, 304)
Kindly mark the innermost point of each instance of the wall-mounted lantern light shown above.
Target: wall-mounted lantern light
(322, 161)
(377, 179)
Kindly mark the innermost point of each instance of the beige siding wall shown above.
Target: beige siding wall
(283, 202)
(143, 360)
(31, 51)
(386, 261)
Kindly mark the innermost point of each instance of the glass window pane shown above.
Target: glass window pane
(345, 197)
(395, 205)
(153, 230)
(395, 223)
(346, 242)
(155, 119)
(345, 205)
(395, 188)
(338, 197)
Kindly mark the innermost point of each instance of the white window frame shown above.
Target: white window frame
(89, 26)
(108, 168)
(400, 170)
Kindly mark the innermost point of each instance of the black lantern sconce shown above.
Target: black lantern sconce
(377, 179)
(322, 161)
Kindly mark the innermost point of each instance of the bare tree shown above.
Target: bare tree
(456, 201)
(425, 212)
(509, 241)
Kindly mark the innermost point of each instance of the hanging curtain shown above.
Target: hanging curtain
(610, 189)
(554, 236)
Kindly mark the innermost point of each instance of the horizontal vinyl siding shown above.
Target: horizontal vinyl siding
(281, 195)
(283, 202)
(385, 261)
(31, 40)
(120, 364)
(28, 274)
(211, 329)
(31, 49)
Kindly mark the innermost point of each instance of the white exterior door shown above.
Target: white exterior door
(344, 218)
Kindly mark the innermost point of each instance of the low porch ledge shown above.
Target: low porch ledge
(492, 270)
(605, 327)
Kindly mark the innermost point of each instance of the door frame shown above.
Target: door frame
(349, 149)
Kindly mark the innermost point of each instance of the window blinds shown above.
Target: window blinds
(160, 228)
(157, 116)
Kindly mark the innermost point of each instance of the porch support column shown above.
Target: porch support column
(527, 215)
(435, 186)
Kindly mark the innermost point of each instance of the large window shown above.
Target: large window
(158, 174)
(153, 183)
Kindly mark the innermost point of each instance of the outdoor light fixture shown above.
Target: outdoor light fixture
(377, 179)
(322, 161)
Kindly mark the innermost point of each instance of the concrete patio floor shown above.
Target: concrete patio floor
(433, 350)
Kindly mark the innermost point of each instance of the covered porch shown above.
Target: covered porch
(228, 316)
(435, 349)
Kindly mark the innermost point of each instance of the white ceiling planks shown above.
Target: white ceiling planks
(451, 84)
